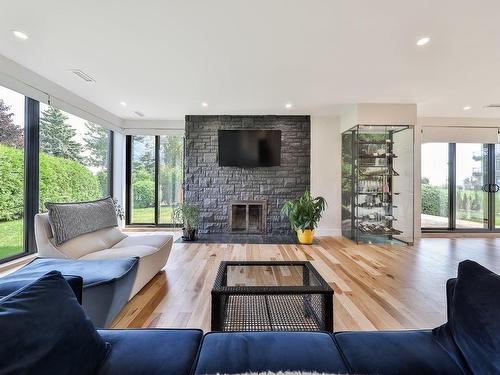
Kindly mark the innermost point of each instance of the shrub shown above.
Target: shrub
(144, 193)
(434, 200)
(11, 183)
(61, 180)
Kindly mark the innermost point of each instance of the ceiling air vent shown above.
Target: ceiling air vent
(140, 114)
(492, 105)
(82, 75)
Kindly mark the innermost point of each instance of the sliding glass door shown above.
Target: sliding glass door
(460, 187)
(154, 178)
(471, 193)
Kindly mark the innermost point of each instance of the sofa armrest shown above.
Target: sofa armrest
(43, 233)
(450, 290)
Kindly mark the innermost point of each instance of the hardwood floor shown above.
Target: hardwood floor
(376, 287)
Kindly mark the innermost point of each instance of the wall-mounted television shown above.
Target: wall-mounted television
(249, 148)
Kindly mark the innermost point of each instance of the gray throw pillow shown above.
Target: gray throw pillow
(70, 220)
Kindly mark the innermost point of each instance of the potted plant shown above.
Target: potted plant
(304, 214)
(187, 214)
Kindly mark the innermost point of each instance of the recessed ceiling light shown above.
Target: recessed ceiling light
(423, 41)
(288, 105)
(467, 107)
(20, 34)
(204, 104)
(123, 104)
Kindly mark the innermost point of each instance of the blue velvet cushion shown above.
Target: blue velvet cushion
(475, 317)
(43, 330)
(396, 353)
(236, 353)
(151, 351)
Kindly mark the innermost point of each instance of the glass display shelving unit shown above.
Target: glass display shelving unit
(377, 184)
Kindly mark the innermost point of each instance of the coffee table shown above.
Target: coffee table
(271, 296)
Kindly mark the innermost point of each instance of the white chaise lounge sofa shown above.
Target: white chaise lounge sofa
(110, 243)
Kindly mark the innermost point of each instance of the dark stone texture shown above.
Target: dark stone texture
(212, 188)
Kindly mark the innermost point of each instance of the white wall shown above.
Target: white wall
(326, 171)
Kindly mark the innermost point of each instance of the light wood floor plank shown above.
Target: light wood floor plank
(376, 287)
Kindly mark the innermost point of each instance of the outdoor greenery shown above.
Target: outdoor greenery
(146, 215)
(70, 169)
(304, 212)
(11, 237)
(143, 176)
(434, 200)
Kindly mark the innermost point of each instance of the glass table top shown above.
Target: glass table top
(269, 275)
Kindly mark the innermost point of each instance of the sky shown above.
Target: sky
(435, 162)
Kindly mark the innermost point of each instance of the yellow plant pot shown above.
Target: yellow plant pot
(305, 237)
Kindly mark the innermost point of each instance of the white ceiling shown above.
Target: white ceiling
(252, 56)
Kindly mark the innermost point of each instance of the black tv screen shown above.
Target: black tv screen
(249, 148)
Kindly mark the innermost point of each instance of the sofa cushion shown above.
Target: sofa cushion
(398, 352)
(93, 272)
(122, 252)
(45, 331)
(151, 351)
(90, 242)
(70, 220)
(9, 284)
(154, 240)
(234, 353)
(475, 314)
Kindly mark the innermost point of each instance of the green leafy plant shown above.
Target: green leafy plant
(61, 180)
(187, 214)
(305, 211)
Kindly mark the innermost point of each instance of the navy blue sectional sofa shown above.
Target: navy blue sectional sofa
(469, 343)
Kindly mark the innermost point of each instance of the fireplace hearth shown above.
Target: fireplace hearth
(248, 216)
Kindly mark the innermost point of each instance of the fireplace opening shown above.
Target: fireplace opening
(248, 216)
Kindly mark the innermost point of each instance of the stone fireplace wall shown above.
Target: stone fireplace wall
(212, 188)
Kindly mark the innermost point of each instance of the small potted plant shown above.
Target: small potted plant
(304, 214)
(187, 214)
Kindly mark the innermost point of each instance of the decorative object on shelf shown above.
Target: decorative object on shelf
(304, 214)
(375, 161)
(188, 215)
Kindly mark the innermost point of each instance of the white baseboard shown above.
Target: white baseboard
(328, 232)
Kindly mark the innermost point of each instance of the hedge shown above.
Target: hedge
(144, 193)
(61, 180)
(434, 200)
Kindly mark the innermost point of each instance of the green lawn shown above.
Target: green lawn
(11, 238)
(147, 215)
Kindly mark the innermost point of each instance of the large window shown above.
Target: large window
(11, 173)
(45, 155)
(460, 189)
(75, 157)
(154, 178)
